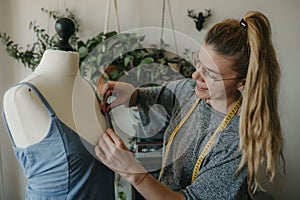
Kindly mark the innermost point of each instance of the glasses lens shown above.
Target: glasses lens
(204, 71)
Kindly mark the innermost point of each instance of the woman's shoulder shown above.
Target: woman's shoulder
(228, 141)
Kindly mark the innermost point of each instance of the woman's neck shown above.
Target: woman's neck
(223, 106)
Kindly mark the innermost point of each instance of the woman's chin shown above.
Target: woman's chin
(202, 94)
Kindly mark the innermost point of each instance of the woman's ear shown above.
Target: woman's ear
(241, 85)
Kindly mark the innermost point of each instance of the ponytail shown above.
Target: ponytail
(260, 131)
(249, 43)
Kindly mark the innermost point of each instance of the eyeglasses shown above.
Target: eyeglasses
(205, 71)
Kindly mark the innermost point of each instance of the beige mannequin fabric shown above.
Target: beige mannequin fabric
(71, 97)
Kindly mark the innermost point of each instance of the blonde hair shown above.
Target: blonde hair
(250, 44)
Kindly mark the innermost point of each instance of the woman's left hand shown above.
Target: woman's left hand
(112, 151)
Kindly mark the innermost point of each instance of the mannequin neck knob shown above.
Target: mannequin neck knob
(65, 28)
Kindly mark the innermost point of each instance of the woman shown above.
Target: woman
(216, 139)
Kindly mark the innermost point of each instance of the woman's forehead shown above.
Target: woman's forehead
(215, 61)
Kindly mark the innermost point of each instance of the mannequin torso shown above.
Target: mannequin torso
(71, 97)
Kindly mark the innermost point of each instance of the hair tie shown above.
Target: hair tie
(243, 23)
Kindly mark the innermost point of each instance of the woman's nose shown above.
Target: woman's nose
(197, 76)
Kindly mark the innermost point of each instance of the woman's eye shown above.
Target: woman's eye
(211, 75)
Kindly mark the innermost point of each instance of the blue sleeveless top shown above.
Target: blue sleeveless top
(60, 166)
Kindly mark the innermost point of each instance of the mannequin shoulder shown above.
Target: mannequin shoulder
(19, 95)
(23, 109)
(16, 94)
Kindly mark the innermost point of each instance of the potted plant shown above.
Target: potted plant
(123, 56)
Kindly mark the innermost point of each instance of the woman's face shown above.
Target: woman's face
(215, 78)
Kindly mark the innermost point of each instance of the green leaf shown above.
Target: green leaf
(110, 44)
(82, 51)
(138, 72)
(95, 76)
(118, 51)
(114, 74)
(141, 38)
(127, 60)
(9, 43)
(110, 34)
(123, 37)
(99, 60)
(147, 60)
(92, 70)
(122, 195)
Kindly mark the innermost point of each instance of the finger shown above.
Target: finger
(100, 83)
(107, 95)
(109, 85)
(116, 139)
(108, 108)
(99, 153)
(104, 106)
(103, 88)
(102, 157)
(115, 104)
(109, 142)
(104, 146)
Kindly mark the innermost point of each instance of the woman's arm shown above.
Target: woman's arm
(150, 188)
(113, 153)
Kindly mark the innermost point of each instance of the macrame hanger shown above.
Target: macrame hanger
(106, 24)
(65, 5)
(108, 2)
(117, 17)
(62, 5)
(163, 26)
(49, 7)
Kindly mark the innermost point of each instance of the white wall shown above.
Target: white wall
(13, 179)
(284, 16)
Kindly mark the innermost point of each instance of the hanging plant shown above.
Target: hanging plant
(31, 56)
(90, 53)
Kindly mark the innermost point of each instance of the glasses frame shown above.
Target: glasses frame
(206, 71)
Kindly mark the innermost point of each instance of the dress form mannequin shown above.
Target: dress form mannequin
(54, 120)
(71, 97)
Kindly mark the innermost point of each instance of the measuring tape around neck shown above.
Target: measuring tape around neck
(210, 142)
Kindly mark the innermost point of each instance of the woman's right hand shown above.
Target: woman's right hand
(125, 94)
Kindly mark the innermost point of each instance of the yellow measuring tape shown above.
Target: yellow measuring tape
(210, 142)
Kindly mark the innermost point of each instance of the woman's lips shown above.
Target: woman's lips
(201, 88)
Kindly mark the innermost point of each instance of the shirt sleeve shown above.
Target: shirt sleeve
(218, 177)
(157, 104)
